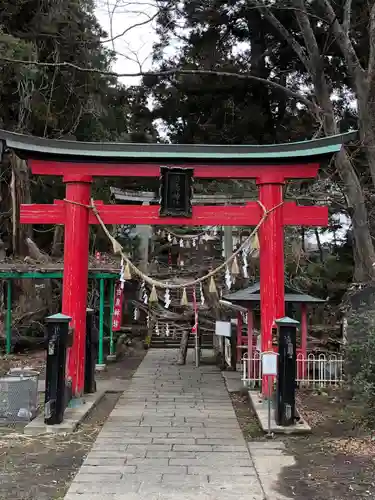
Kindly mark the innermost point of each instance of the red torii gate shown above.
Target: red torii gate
(79, 162)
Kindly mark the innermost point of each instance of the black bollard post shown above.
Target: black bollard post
(92, 342)
(55, 393)
(286, 377)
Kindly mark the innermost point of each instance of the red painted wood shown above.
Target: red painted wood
(250, 333)
(76, 261)
(247, 215)
(202, 215)
(239, 337)
(42, 214)
(301, 363)
(264, 173)
(271, 238)
(294, 215)
(304, 329)
(77, 177)
(117, 307)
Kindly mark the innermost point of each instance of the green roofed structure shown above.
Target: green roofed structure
(35, 147)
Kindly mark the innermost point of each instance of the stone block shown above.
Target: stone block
(192, 447)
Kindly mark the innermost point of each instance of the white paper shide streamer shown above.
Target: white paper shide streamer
(167, 298)
(202, 294)
(228, 278)
(136, 314)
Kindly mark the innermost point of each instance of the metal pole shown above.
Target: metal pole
(196, 350)
(269, 406)
(101, 322)
(111, 305)
(8, 346)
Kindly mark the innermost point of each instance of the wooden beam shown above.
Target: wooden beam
(202, 171)
(245, 215)
(198, 199)
(42, 214)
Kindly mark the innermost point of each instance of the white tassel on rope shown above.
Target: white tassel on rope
(228, 278)
(167, 298)
(169, 237)
(244, 317)
(245, 271)
(245, 265)
(181, 243)
(144, 295)
(157, 331)
(202, 294)
(122, 278)
(136, 314)
(167, 330)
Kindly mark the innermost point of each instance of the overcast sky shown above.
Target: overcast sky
(135, 47)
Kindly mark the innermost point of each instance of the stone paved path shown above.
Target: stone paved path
(172, 436)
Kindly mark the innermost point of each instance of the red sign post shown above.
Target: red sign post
(117, 307)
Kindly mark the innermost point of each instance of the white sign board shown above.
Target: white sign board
(269, 363)
(223, 328)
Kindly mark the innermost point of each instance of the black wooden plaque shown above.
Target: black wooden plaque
(176, 191)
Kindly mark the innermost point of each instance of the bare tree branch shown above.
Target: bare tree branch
(307, 33)
(129, 28)
(343, 40)
(175, 71)
(347, 17)
(288, 37)
(371, 61)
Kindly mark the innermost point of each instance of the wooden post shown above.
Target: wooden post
(304, 330)
(76, 261)
(111, 306)
(239, 338)
(271, 237)
(101, 322)
(8, 345)
(250, 333)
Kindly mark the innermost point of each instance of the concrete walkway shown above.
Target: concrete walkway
(173, 435)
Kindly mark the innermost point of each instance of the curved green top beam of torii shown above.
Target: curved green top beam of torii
(30, 147)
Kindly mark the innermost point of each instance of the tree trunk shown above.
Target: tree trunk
(20, 191)
(57, 243)
(320, 248)
(182, 353)
(364, 253)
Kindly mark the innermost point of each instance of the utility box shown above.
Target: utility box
(286, 377)
(91, 356)
(56, 390)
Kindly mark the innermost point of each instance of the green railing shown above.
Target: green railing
(9, 276)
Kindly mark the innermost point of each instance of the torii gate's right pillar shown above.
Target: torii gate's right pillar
(271, 239)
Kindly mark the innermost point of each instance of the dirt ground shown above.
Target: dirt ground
(41, 468)
(335, 462)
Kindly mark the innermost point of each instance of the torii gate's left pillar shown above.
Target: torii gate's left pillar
(76, 262)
